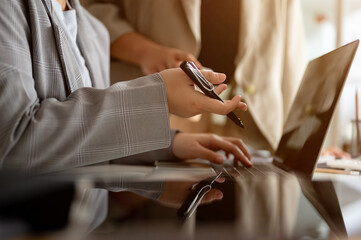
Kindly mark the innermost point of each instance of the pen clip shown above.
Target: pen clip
(201, 79)
(197, 200)
(205, 86)
(196, 196)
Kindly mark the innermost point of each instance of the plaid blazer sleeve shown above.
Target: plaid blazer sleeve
(86, 127)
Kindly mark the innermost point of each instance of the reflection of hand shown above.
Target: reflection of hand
(175, 193)
(158, 58)
(185, 101)
(186, 146)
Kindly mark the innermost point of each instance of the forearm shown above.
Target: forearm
(131, 47)
(151, 190)
(91, 126)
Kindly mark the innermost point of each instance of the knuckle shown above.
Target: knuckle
(194, 105)
(206, 74)
(193, 148)
(213, 136)
(233, 148)
(238, 141)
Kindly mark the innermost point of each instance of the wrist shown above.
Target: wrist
(176, 143)
(146, 52)
(175, 135)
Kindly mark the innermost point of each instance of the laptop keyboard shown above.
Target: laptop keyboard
(229, 170)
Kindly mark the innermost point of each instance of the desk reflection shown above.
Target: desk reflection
(272, 206)
(268, 206)
(276, 206)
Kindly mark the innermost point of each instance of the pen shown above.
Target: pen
(207, 88)
(195, 197)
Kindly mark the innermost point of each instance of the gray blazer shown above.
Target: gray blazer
(48, 121)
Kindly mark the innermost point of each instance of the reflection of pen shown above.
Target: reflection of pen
(207, 88)
(195, 197)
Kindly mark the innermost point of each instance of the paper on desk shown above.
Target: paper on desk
(351, 164)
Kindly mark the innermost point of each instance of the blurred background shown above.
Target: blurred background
(329, 24)
(313, 28)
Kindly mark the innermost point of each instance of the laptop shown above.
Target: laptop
(305, 129)
(310, 115)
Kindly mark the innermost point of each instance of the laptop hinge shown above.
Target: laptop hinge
(279, 164)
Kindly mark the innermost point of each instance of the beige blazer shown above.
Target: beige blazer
(172, 23)
(270, 62)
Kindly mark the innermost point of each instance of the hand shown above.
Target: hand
(150, 56)
(336, 152)
(175, 193)
(188, 145)
(157, 58)
(185, 101)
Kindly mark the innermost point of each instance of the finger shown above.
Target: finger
(214, 77)
(220, 88)
(149, 70)
(161, 67)
(173, 63)
(240, 144)
(217, 143)
(213, 195)
(197, 63)
(210, 155)
(220, 180)
(207, 104)
(183, 56)
(236, 103)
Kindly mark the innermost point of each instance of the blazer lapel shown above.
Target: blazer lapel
(65, 52)
(93, 41)
(192, 10)
(83, 42)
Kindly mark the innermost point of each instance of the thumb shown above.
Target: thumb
(214, 77)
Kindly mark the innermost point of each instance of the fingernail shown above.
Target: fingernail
(222, 76)
(250, 162)
(244, 106)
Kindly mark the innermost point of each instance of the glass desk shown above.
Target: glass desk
(264, 206)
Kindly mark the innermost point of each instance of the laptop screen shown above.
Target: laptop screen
(312, 109)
